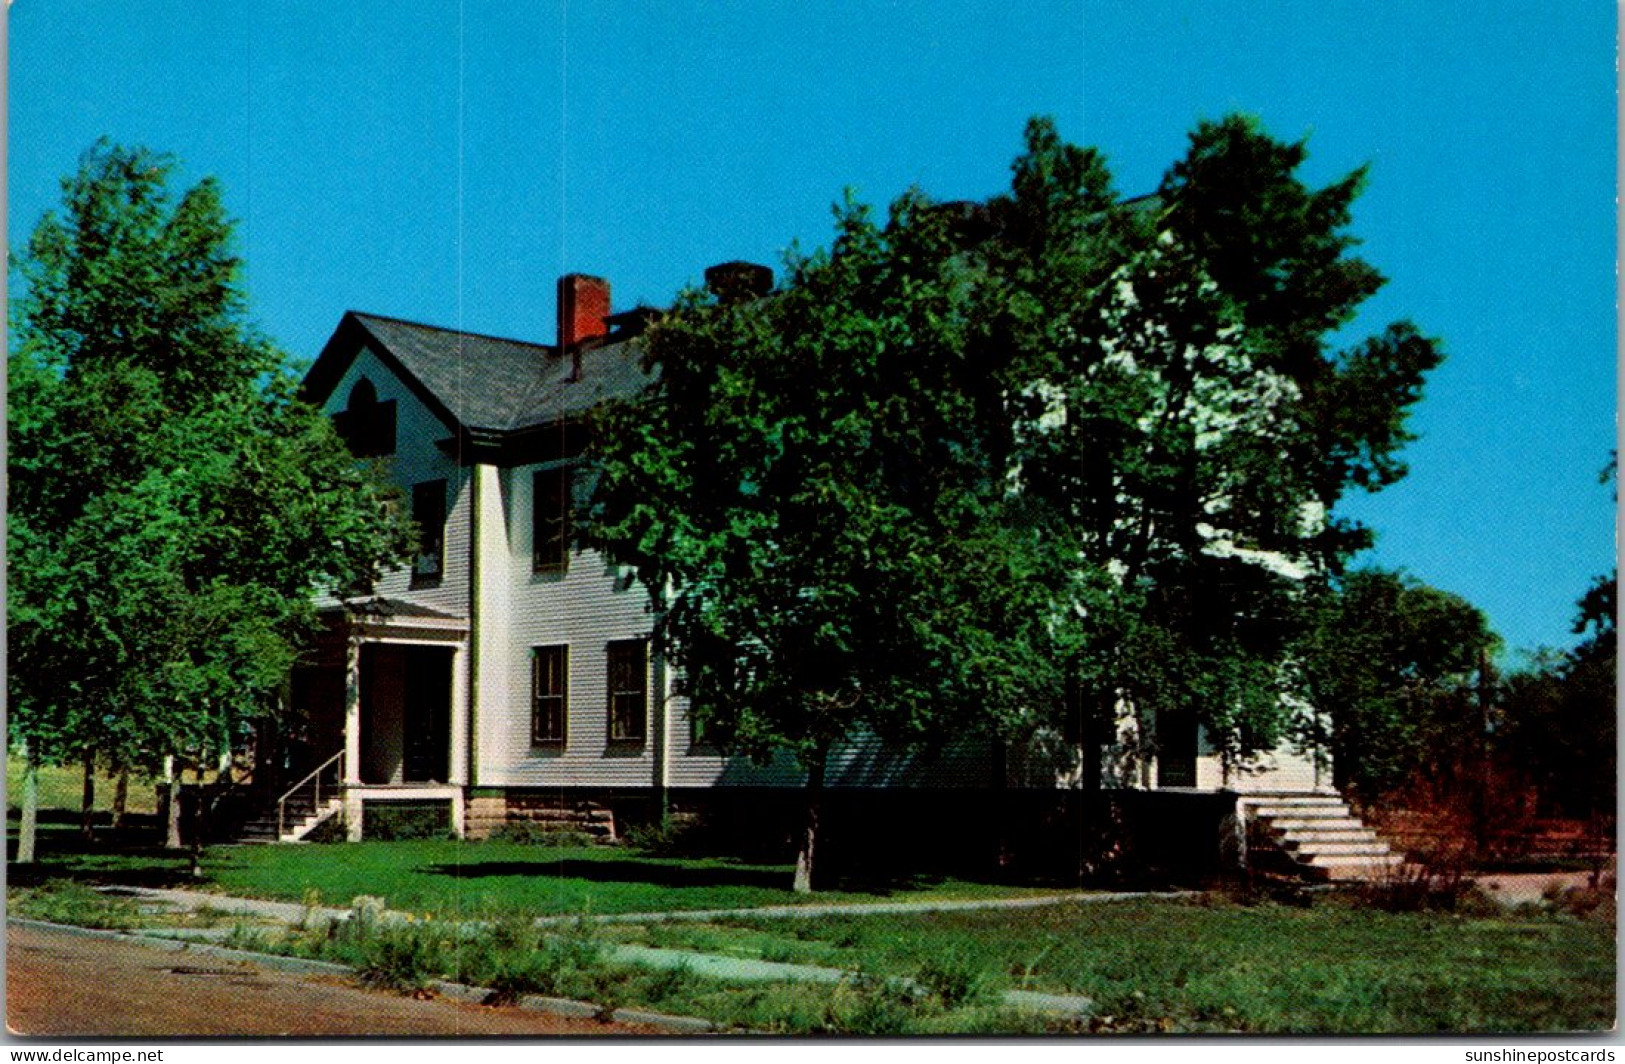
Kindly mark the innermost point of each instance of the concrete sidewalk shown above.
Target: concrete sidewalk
(294, 913)
(730, 969)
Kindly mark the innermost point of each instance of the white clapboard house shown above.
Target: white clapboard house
(507, 674)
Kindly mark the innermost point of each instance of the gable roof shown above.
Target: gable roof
(478, 383)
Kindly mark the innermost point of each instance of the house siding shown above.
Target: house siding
(417, 459)
(487, 579)
(585, 607)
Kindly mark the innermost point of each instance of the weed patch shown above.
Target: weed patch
(63, 902)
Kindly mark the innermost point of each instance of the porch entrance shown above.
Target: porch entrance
(405, 713)
(1176, 748)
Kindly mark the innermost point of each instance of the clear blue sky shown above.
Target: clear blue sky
(446, 162)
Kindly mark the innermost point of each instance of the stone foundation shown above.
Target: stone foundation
(488, 814)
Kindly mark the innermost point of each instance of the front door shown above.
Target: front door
(405, 713)
(1176, 748)
(427, 716)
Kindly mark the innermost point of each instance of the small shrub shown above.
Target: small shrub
(312, 919)
(668, 983)
(530, 833)
(401, 959)
(64, 902)
(1587, 903)
(606, 988)
(249, 939)
(953, 980)
(676, 836)
(867, 1004)
(403, 821)
(579, 948)
(1438, 883)
(512, 931)
(209, 916)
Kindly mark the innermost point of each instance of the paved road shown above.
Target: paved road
(63, 984)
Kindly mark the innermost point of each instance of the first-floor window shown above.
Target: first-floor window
(696, 730)
(628, 690)
(549, 695)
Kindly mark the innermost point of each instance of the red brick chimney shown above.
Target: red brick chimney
(583, 306)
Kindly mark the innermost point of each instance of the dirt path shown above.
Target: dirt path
(64, 984)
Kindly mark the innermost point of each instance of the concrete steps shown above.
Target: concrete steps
(1318, 837)
(301, 817)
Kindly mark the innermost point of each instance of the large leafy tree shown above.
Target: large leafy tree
(1562, 715)
(172, 506)
(1185, 411)
(1395, 669)
(811, 492)
(987, 454)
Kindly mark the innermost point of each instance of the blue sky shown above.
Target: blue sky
(446, 162)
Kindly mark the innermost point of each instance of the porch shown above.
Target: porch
(378, 715)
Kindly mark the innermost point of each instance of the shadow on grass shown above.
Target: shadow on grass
(129, 856)
(659, 873)
(630, 870)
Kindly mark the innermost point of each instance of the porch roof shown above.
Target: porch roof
(381, 608)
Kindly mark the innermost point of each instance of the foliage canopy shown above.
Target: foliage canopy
(172, 506)
(978, 456)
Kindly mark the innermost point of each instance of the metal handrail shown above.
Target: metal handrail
(316, 774)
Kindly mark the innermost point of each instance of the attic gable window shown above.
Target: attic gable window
(429, 511)
(366, 424)
(550, 521)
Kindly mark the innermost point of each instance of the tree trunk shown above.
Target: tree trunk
(809, 835)
(172, 805)
(196, 830)
(87, 797)
(121, 798)
(27, 830)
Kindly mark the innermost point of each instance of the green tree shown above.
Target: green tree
(1562, 715)
(1185, 414)
(1394, 669)
(172, 506)
(986, 454)
(808, 493)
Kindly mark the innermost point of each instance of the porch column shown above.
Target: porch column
(461, 741)
(352, 740)
(461, 747)
(352, 714)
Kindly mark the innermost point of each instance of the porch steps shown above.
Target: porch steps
(1318, 837)
(303, 816)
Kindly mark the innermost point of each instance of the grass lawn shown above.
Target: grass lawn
(1208, 964)
(450, 878)
(60, 787)
(1183, 965)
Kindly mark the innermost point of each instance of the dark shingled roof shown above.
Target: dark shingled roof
(484, 382)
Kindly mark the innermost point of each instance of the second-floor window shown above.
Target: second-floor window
(628, 691)
(429, 511)
(549, 695)
(551, 521)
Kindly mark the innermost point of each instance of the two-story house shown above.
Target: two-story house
(506, 672)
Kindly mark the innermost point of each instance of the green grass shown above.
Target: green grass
(1151, 965)
(66, 902)
(61, 786)
(450, 878)
(1172, 965)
